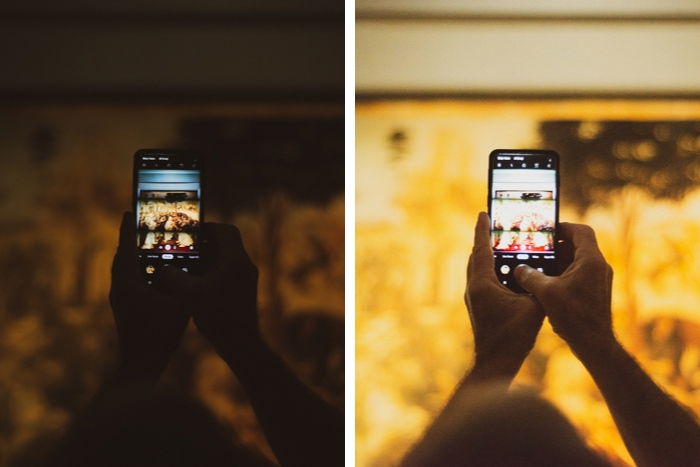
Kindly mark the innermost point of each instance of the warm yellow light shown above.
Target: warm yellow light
(415, 215)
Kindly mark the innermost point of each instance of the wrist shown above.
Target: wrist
(143, 361)
(596, 349)
(129, 372)
(491, 367)
(238, 350)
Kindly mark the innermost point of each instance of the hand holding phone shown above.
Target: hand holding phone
(523, 204)
(505, 324)
(224, 299)
(149, 322)
(578, 303)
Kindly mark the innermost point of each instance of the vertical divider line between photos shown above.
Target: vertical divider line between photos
(349, 232)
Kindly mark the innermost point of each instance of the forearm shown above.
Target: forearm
(121, 385)
(656, 429)
(127, 377)
(502, 370)
(494, 374)
(301, 428)
(144, 373)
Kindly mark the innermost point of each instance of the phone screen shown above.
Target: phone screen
(168, 208)
(524, 211)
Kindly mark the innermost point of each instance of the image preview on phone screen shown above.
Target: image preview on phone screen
(168, 210)
(523, 207)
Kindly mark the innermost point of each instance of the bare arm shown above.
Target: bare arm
(303, 430)
(149, 327)
(656, 429)
(149, 323)
(505, 325)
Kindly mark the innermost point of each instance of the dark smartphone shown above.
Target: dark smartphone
(168, 210)
(523, 207)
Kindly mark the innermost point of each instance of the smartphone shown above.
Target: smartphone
(523, 206)
(168, 210)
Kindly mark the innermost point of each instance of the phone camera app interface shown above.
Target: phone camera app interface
(523, 211)
(168, 194)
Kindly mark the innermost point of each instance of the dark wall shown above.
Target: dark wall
(174, 50)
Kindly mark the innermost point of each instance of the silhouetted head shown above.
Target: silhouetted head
(141, 427)
(493, 426)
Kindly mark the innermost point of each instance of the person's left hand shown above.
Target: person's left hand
(150, 323)
(505, 324)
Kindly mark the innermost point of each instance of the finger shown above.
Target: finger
(215, 254)
(470, 275)
(470, 261)
(126, 260)
(222, 249)
(532, 314)
(225, 246)
(531, 279)
(482, 254)
(209, 248)
(583, 240)
(178, 283)
(565, 255)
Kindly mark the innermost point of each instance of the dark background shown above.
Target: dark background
(256, 87)
(180, 49)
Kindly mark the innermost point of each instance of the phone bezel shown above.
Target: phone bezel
(557, 169)
(197, 266)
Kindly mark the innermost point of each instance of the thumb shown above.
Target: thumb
(174, 281)
(530, 278)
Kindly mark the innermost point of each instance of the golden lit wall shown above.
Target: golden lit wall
(421, 180)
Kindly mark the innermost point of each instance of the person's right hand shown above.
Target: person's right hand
(577, 303)
(223, 301)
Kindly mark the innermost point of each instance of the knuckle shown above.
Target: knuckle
(525, 280)
(222, 232)
(229, 230)
(585, 228)
(601, 267)
(596, 265)
(548, 294)
(477, 288)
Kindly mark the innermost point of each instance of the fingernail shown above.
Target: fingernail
(524, 267)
